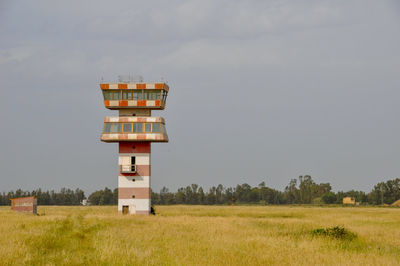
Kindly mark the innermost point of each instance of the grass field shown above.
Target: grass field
(200, 235)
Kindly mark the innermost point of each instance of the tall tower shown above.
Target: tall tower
(134, 130)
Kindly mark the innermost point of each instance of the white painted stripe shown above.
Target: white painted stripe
(151, 103)
(140, 159)
(150, 86)
(141, 204)
(152, 136)
(151, 119)
(113, 86)
(134, 137)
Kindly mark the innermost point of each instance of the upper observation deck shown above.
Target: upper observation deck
(132, 95)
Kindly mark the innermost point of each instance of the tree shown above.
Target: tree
(201, 196)
(329, 197)
(307, 189)
(291, 192)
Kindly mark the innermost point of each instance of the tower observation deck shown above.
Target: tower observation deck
(134, 129)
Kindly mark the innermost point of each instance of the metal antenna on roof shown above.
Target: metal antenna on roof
(130, 78)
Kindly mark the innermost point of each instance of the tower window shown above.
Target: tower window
(147, 127)
(116, 95)
(156, 128)
(127, 128)
(127, 95)
(107, 127)
(107, 95)
(116, 127)
(137, 127)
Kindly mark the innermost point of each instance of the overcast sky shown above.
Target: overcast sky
(259, 90)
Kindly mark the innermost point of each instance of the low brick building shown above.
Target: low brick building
(24, 204)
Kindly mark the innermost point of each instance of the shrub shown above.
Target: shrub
(329, 198)
(335, 232)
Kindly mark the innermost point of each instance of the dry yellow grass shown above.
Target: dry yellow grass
(199, 235)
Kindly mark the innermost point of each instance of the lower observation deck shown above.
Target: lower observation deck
(134, 128)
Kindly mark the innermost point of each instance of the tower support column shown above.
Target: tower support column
(134, 172)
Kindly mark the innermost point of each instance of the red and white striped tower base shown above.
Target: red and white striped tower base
(134, 192)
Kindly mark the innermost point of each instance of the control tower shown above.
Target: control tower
(134, 129)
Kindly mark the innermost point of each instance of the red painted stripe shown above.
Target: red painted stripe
(23, 209)
(159, 85)
(134, 147)
(139, 192)
(122, 86)
(123, 103)
(104, 86)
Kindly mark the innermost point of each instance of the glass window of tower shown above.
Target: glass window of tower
(146, 95)
(116, 127)
(157, 94)
(137, 94)
(156, 128)
(116, 95)
(127, 128)
(107, 127)
(147, 127)
(127, 95)
(137, 127)
(107, 95)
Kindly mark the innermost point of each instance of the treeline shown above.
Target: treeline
(299, 191)
(64, 197)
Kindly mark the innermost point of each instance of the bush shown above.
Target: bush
(334, 232)
(329, 198)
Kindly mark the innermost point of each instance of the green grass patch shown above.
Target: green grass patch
(336, 232)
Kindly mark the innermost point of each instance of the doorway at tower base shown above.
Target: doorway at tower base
(134, 171)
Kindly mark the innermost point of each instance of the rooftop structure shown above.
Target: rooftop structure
(134, 129)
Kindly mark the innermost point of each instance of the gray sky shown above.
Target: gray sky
(259, 90)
